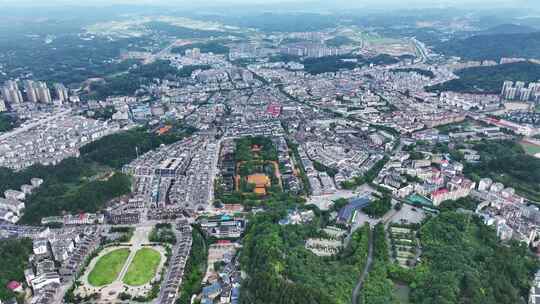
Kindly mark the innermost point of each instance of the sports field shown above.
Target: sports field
(143, 267)
(530, 148)
(108, 267)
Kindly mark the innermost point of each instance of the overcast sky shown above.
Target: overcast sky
(355, 3)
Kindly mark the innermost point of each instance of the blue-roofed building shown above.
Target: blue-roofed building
(206, 301)
(355, 204)
(235, 295)
(141, 112)
(212, 291)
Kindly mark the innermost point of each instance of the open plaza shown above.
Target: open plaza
(122, 269)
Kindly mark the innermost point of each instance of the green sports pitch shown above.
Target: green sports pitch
(530, 148)
(143, 267)
(108, 267)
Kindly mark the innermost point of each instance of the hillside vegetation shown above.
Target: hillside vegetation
(464, 262)
(14, 260)
(493, 47)
(489, 79)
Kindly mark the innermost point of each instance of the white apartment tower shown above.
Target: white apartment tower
(43, 92)
(11, 92)
(61, 92)
(30, 89)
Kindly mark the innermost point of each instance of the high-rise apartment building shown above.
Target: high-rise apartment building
(506, 86)
(30, 90)
(43, 92)
(521, 91)
(11, 92)
(61, 92)
(3, 106)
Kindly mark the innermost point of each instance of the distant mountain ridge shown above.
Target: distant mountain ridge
(509, 28)
(494, 46)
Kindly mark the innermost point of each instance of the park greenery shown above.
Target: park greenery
(378, 288)
(463, 126)
(464, 262)
(15, 254)
(416, 155)
(254, 166)
(465, 203)
(73, 185)
(105, 113)
(329, 64)
(368, 177)
(294, 154)
(322, 168)
(118, 149)
(7, 123)
(252, 200)
(339, 41)
(155, 283)
(489, 79)
(126, 233)
(83, 195)
(108, 267)
(281, 270)
(258, 167)
(187, 70)
(67, 170)
(507, 162)
(284, 58)
(256, 155)
(206, 47)
(162, 233)
(143, 267)
(244, 149)
(332, 64)
(379, 206)
(381, 59)
(195, 268)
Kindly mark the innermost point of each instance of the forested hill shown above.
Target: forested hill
(493, 47)
(464, 262)
(489, 79)
(14, 260)
(508, 28)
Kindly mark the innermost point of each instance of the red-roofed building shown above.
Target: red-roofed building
(438, 192)
(233, 208)
(274, 109)
(459, 187)
(440, 196)
(14, 286)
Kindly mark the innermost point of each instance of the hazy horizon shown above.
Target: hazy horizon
(339, 4)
